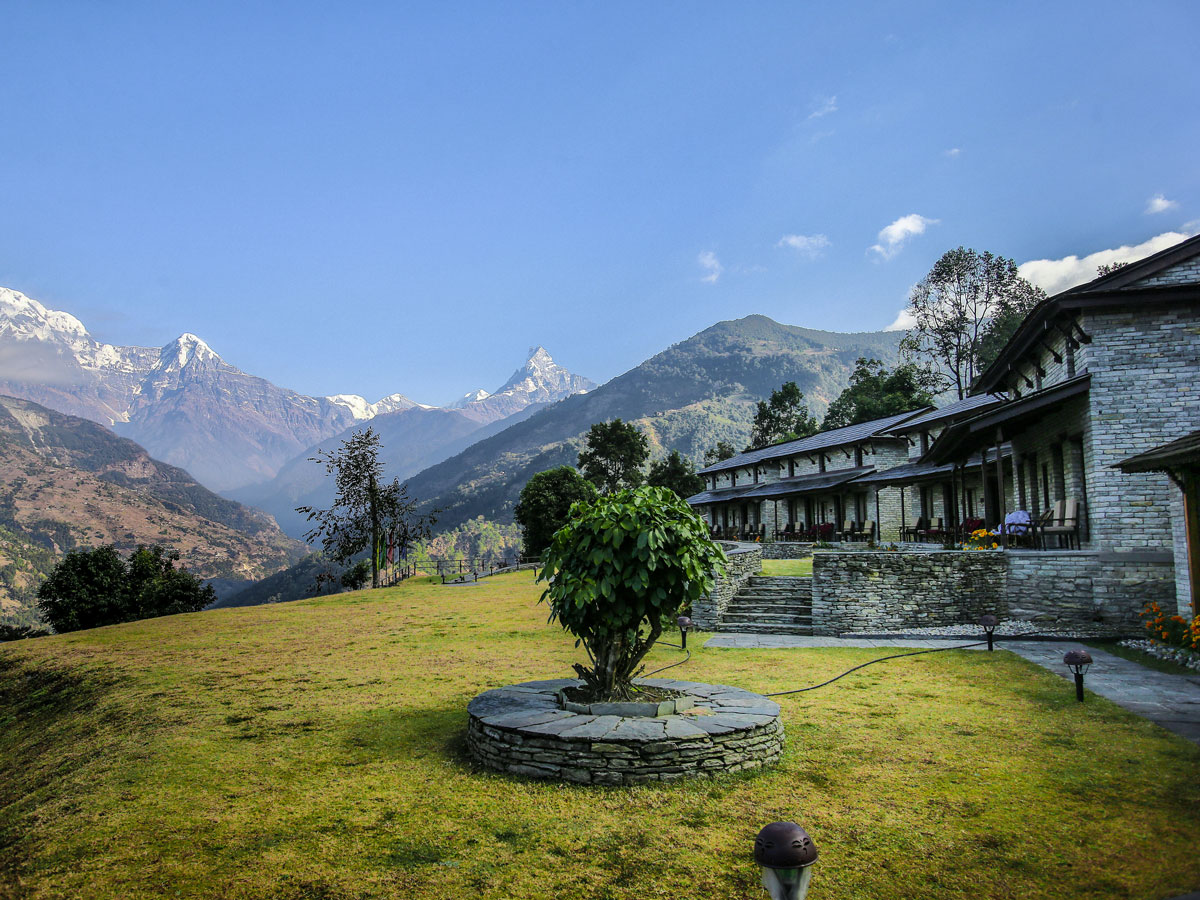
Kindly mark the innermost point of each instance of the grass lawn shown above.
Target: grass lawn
(787, 566)
(315, 750)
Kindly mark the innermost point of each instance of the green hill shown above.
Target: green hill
(686, 398)
(315, 751)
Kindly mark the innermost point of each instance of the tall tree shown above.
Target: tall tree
(95, 587)
(677, 474)
(953, 307)
(723, 450)
(545, 505)
(367, 514)
(614, 455)
(874, 392)
(784, 417)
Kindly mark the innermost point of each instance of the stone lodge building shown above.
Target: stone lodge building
(1095, 375)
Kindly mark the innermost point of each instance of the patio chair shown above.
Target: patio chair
(935, 531)
(788, 533)
(847, 531)
(1051, 516)
(914, 531)
(1067, 528)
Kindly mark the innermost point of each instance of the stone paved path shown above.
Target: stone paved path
(1172, 701)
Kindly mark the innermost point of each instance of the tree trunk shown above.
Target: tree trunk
(373, 490)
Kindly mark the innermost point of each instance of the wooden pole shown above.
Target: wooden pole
(1000, 488)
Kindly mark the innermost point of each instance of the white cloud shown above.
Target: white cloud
(893, 238)
(1057, 275)
(824, 108)
(953, 152)
(711, 265)
(1158, 203)
(809, 245)
(904, 321)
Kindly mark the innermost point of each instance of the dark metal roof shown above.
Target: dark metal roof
(815, 483)
(720, 496)
(923, 471)
(978, 431)
(1176, 455)
(1119, 288)
(957, 410)
(851, 434)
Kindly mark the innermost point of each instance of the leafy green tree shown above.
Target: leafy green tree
(355, 577)
(784, 417)
(953, 308)
(723, 450)
(614, 455)
(874, 392)
(545, 505)
(617, 570)
(95, 587)
(677, 474)
(367, 514)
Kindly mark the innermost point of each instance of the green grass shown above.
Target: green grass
(787, 566)
(315, 750)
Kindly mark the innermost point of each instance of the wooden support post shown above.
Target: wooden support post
(1000, 488)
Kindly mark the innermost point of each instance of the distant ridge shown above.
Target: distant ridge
(686, 398)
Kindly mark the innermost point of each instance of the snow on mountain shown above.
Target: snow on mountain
(362, 410)
(540, 380)
(469, 397)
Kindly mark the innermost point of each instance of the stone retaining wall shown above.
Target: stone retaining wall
(867, 591)
(743, 561)
(787, 550)
(888, 590)
(521, 730)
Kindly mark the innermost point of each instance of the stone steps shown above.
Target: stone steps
(771, 604)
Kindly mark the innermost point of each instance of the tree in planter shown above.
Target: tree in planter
(367, 514)
(622, 566)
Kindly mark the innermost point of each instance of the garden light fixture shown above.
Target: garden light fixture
(1078, 661)
(685, 625)
(786, 854)
(989, 623)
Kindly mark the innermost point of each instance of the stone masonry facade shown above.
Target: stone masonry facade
(742, 562)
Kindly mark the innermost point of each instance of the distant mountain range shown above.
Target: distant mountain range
(686, 398)
(67, 482)
(189, 407)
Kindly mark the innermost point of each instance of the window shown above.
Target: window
(1046, 484)
(791, 468)
(858, 456)
(821, 462)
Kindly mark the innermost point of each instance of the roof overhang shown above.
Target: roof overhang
(969, 435)
(1183, 453)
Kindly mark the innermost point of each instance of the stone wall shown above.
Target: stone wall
(1052, 587)
(742, 561)
(865, 591)
(787, 550)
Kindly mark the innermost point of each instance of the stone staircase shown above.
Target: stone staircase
(771, 604)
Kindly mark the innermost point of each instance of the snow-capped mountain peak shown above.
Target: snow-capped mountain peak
(362, 410)
(185, 349)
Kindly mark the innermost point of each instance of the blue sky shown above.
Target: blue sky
(379, 197)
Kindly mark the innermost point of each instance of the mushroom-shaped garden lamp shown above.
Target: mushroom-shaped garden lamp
(989, 623)
(685, 625)
(1078, 661)
(786, 854)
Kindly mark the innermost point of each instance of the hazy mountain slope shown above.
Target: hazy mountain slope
(686, 397)
(67, 482)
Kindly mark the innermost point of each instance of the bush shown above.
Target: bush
(91, 588)
(624, 565)
(355, 577)
(1175, 631)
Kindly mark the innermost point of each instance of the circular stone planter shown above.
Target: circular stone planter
(521, 729)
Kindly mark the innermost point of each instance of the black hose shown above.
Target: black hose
(871, 663)
(674, 664)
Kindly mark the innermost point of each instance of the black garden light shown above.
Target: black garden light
(989, 623)
(786, 854)
(685, 625)
(1078, 661)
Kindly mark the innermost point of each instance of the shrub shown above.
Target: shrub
(91, 588)
(1175, 631)
(622, 566)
